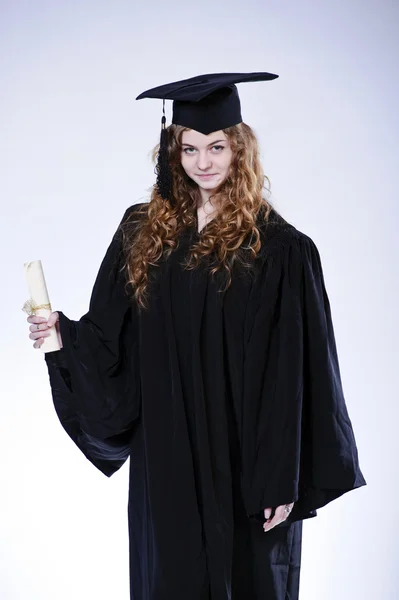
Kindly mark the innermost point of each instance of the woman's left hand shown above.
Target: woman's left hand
(280, 515)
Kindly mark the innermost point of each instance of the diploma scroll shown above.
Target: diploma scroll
(39, 303)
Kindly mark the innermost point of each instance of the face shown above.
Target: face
(206, 158)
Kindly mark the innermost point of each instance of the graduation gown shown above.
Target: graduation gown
(226, 403)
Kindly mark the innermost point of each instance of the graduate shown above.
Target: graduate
(208, 357)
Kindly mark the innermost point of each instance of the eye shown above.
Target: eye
(217, 148)
(189, 150)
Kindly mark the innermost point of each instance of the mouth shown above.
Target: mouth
(207, 175)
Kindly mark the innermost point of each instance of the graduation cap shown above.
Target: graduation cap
(205, 103)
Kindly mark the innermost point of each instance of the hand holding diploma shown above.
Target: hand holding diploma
(41, 329)
(44, 323)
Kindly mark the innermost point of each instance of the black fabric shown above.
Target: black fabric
(95, 390)
(226, 403)
(208, 102)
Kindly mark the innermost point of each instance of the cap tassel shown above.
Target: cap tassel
(162, 169)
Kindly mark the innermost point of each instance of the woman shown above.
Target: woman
(208, 356)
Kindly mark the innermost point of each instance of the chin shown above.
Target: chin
(209, 185)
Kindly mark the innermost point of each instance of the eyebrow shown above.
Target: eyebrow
(211, 144)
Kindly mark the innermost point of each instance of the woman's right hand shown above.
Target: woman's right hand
(40, 327)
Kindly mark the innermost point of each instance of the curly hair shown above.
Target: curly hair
(154, 234)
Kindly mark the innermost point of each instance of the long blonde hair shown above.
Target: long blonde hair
(157, 225)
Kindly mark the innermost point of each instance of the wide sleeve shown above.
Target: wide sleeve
(94, 378)
(298, 443)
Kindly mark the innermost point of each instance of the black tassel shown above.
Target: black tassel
(162, 169)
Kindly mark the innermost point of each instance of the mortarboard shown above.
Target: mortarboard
(205, 103)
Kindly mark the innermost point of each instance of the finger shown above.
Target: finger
(38, 343)
(267, 513)
(39, 327)
(36, 335)
(35, 319)
(53, 318)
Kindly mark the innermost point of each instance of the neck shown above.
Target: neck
(203, 197)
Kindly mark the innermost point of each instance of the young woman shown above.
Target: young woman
(208, 356)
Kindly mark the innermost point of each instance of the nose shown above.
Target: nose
(204, 161)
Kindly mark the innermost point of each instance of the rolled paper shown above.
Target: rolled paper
(39, 303)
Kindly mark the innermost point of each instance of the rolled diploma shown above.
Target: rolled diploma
(39, 296)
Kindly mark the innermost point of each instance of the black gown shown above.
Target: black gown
(227, 403)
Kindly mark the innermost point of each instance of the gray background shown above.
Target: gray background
(75, 152)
